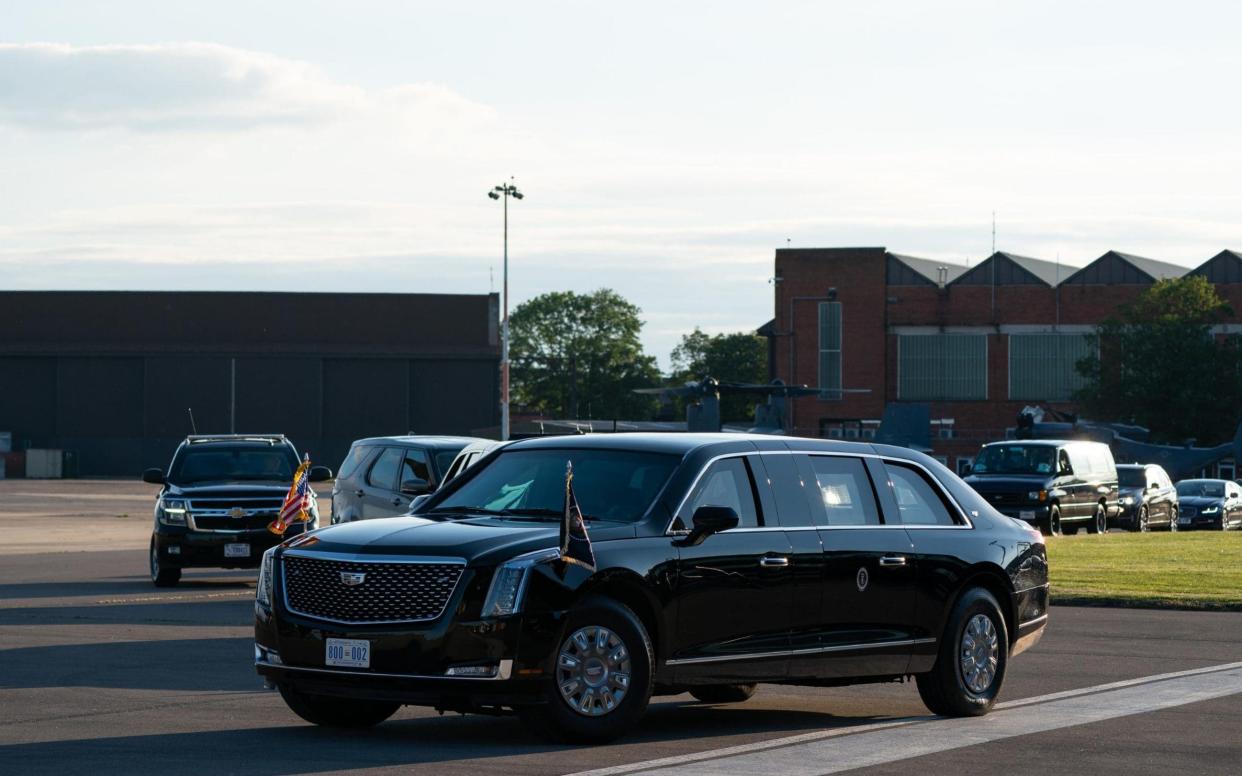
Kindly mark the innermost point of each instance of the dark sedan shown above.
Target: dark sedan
(720, 561)
(1148, 498)
(1209, 504)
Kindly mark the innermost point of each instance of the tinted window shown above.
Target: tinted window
(918, 503)
(444, 459)
(844, 491)
(1131, 477)
(383, 472)
(1206, 488)
(212, 462)
(726, 484)
(414, 471)
(609, 484)
(1015, 459)
(353, 459)
(789, 476)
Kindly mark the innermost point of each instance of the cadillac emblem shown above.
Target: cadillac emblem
(352, 578)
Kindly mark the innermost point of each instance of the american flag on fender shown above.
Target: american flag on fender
(575, 544)
(297, 503)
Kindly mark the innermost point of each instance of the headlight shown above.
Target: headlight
(1127, 500)
(504, 597)
(1037, 495)
(172, 511)
(263, 590)
(1210, 510)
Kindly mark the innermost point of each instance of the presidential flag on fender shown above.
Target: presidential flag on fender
(575, 544)
(297, 502)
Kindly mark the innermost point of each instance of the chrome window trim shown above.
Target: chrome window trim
(685, 661)
(357, 558)
(504, 670)
(944, 493)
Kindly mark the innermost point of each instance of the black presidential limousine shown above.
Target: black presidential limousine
(721, 561)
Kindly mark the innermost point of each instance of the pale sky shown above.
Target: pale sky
(665, 149)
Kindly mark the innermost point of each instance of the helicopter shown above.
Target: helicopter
(703, 401)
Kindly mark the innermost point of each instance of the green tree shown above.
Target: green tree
(1158, 365)
(579, 356)
(741, 357)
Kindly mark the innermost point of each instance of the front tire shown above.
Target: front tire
(723, 693)
(601, 680)
(337, 712)
(162, 576)
(970, 668)
(1141, 525)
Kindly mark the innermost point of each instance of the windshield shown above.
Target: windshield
(232, 463)
(1130, 478)
(609, 484)
(1208, 488)
(1015, 459)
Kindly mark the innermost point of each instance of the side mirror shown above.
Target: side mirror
(1153, 486)
(418, 502)
(707, 521)
(415, 487)
(153, 476)
(967, 469)
(320, 474)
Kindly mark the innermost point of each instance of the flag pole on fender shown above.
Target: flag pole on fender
(297, 503)
(575, 544)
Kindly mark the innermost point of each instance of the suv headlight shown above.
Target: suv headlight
(1127, 500)
(172, 511)
(504, 597)
(1210, 510)
(263, 590)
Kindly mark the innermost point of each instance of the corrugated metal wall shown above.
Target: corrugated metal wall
(830, 350)
(1042, 366)
(942, 367)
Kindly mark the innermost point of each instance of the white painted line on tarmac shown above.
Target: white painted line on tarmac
(841, 749)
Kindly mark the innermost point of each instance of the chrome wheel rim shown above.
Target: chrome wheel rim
(155, 562)
(980, 651)
(593, 671)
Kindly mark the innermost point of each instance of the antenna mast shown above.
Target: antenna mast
(193, 428)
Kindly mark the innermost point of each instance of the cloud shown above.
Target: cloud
(193, 86)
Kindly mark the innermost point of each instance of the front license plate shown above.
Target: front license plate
(350, 653)
(237, 550)
(1026, 515)
(1184, 521)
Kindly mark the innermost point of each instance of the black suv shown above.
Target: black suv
(1058, 485)
(219, 495)
(380, 476)
(720, 560)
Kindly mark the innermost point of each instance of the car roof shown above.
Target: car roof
(1043, 442)
(420, 440)
(673, 442)
(1205, 479)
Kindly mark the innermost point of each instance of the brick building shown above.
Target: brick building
(974, 344)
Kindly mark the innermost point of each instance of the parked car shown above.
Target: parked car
(1147, 497)
(1210, 504)
(380, 476)
(1057, 485)
(219, 495)
(469, 456)
(720, 561)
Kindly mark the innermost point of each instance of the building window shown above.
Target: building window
(830, 350)
(942, 367)
(1042, 367)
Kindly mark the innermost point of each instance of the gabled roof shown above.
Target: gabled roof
(1008, 269)
(912, 271)
(1224, 267)
(1116, 268)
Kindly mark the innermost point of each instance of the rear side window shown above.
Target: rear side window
(383, 472)
(353, 459)
(918, 502)
(414, 472)
(726, 484)
(844, 490)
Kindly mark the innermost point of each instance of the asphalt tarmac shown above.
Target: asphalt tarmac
(102, 673)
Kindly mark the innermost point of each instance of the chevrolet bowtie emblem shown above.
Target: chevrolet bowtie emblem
(237, 513)
(352, 578)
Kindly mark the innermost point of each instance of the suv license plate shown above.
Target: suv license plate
(351, 653)
(1185, 521)
(237, 550)
(1026, 515)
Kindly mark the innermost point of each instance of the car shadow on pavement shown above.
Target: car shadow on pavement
(121, 586)
(300, 748)
(232, 611)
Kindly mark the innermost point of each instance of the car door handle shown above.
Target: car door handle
(359, 493)
(769, 561)
(892, 560)
(396, 502)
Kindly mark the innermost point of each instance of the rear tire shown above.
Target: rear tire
(162, 576)
(1099, 521)
(601, 678)
(723, 693)
(1053, 526)
(337, 712)
(974, 638)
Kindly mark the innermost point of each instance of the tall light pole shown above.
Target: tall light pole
(504, 191)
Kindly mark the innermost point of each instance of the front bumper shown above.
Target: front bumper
(1200, 523)
(182, 548)
(1035, 514)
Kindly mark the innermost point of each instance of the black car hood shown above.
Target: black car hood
(480, 540)
(1201, 501)
(224, 489)
(1007, 483)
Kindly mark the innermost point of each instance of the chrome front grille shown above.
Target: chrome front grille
(362, 592)
(233, 514)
